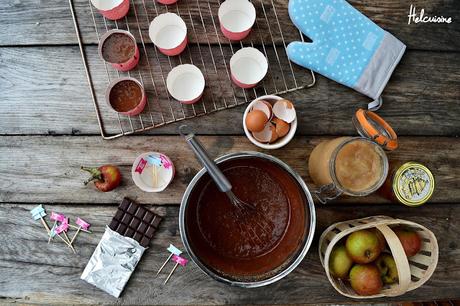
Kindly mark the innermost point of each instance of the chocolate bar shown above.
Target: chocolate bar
(135, 221)
(116, 256)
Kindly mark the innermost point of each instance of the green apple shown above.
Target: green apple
(410, 240)
(365, 279)
(339, 262)
(387, 267)
(363, 246)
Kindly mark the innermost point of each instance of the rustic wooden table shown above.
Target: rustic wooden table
(48, 129)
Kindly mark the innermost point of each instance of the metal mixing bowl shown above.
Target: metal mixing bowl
(294, 261)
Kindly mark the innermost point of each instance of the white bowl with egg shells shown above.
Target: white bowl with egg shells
(280, 142)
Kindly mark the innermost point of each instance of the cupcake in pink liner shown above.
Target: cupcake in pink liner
(185, 83)
(126, 96)
(152, 171)
(236, 18)
(168, 32)
(112, 9)
(248, 66)
(167, 2)
(119, 49)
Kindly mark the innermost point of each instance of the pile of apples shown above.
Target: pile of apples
(363, 261)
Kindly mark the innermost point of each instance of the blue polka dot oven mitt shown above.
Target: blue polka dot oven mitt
(347, 46)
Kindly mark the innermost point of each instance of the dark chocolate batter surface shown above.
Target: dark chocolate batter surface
(247, 243)
(125, 96)
(118, 48)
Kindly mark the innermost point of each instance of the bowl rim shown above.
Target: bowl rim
(306, 243)
(278, 143)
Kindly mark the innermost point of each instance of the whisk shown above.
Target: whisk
(243, 209)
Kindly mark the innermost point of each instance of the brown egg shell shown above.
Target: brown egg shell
(267, 135)
(264, 106)
(284, 109)
(255, 120)
(281, 127)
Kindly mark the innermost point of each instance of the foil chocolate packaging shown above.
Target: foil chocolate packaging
(113, 262)
(121, 247)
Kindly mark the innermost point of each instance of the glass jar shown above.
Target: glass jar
(355, 166)
(408, 183)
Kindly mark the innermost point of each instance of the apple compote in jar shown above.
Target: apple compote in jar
(355, 166)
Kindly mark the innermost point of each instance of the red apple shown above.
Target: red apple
(365, 279)
(410, 240)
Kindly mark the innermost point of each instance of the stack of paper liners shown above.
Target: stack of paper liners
(121, 247)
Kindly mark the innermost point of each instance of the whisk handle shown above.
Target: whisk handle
(215, 173)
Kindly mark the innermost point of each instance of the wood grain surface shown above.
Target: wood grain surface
(48, 129)
(422, 98)
(30, 267)
(27, 22)
(47, 169)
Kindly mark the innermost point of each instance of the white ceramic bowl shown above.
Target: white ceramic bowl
(143, 177)
(281, 142)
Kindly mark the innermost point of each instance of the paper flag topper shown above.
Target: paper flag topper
(57, 217)
(52, 232)
(174, 250)
(82, 223)
(38, 212)
(61, 228)
(180, 260)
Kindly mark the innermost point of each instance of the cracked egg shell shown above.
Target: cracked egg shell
(281, 127)
(256, 120)
(267, 135)
(264, 106)
(284, 109)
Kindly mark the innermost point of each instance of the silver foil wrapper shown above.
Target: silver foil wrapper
(113, 262)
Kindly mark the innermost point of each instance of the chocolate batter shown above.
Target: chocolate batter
(118, 48)
(252, 246)
(125, 96)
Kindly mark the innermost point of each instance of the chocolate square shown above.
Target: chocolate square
(121, 228)
(114, 224)
(140, 213)
(118, 215)
(124, 204)
(150, 231)
(132, 209)
(156, 221)
(126, 219)
(134, 223)
(129, 232)
(142, 227)
(148, 217)
(137, 237)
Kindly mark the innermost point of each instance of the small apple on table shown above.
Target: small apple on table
(362, 260)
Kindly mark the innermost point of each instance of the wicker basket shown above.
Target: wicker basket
(413, 272)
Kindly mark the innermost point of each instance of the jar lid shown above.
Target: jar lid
(370, 125)
(413, 184)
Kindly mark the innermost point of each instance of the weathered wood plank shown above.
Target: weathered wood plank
(422, 98)
(35, 272)
(47, 169)
(33, 20)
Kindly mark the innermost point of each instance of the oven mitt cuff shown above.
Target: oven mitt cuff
(347, 46)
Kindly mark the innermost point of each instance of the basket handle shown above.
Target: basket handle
(402, 263)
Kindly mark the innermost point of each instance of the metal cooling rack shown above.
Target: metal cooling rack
(208, 49)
